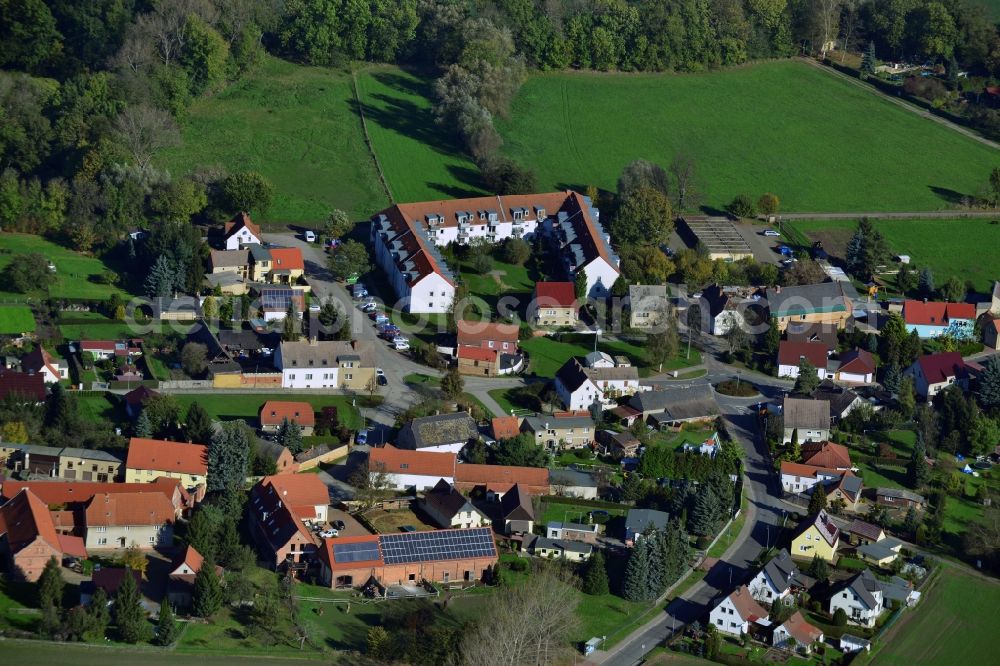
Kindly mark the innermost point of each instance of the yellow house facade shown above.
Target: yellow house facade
(149, 459)
(817, 536)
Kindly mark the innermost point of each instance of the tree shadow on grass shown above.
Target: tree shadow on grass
(949, 195)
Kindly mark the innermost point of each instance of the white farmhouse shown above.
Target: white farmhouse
(734, 614)
(776, 579)
(580, 388)
(861, 598)
(325, 364)
(241, 231)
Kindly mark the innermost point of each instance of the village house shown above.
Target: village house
(505, 427)
(75, 495)
(933, 373)
(648, 305)
(487, 349)
(450, 557)
(28, 538)
(449, 508)
(21, 386)
(846, 489)
(619, 445)
(180, 578)
(856, 367)
(899, 500)
(109, 579)
(566, 482)
(816, 536)
(826, 454)
(406, 238)
(562, 430)
(119, 520)
(808, 419)
(274, 412)
(861, 598)
(496, 480)
(795, 633)
(581, 388)
(776, 580)
(637, 521)
(991, 332)
(806, 332)
(287, 265)
(516, 512)
(241, 231)
(721, 307)
(40, 362)
(554, 304)
(824, 304)
(230, 262)
(88, 465)
(35, 459)
(136, 399)
(881, 553)
(572, 532)
(670, 408)
(405, 469)
(284, 461)
(440, 433)
(326, 364)
(791, 354)
(279, 508)
(797, 478)
(556, 549)
(934, 319)
(276, 300)
(734, 613)
(105, 349)
(843, 400)
(149, 459)
(860, 533)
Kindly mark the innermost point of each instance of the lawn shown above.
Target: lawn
(547, 354)
(29, 653)
(420, 160)
(16, 319)
(77, 276)
(781, 126)
(18, 602)
(389, 522)
(98, 408)
(224, 406)
(93, 326)
(571, 513)
(944, 245)
(954, 623)
(297, 126)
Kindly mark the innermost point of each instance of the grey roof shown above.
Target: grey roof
(678, 403)
(897, 589)
(900, 493)
(644, 297)
(852, 484)
(593, 357)
(516, 505)
(35, 449)
(638, 520)
(805, 299)
(440, 429)
(323, 354)
(558, 544)
(781, 570)
(448, 504)
(537, 423)
(839, 397)
(571, 477)
(718, 299)
(806, 413)
(229, 258)
(90, 454)
(877, 551)
(259, 252)
(573, 374)
(244, 340)
(268, 449)
(863, 585)
(188, 305)
(227, 279)
(865, 529)
(812, 332)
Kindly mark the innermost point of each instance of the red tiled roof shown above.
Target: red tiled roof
(478, 354)
(239, 221)
(30, 387)
(936, 313)
(274, 411)
(138, 396)
(72, 545)
(479, 333)
(25, 518)
(791, 353)
(129, 509)
(746, 606)
(163, 456)
(867, 530)
(506, 427)
(39, 358)
(110, 579)
(66, 492)
(826, 454)
(287, 258)
(800, 630)
(937, 368)
(555, 294)
(421, 463)
(809, 471)
(857, 362)
(501, 478)
(302, 493)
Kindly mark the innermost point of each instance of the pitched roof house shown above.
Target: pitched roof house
(932, 319)
(580, 388)
(817, 536)
(823, 303)
(279, 508)
(826, 454)
(274, 412)
(638, 521)
(505, 427)
(39, 361)
(795, 632)
(180, 577)
(734, 613)
(22, 386)
(517, 512)
(810, 418)
(149, 459)
(499, 479)
(554, 304)
(449, 508)
(412, 469)
(776, 579)
(241, 231)
(861, 598)
(856, 367)
(27, 536)
(443, 433)
(791, 354)
(120, 520)
(648, 305)
(673, 407)
(933, 373)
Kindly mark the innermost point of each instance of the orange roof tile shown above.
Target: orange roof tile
(826, 454)
(65, 492)
(506, 427)
(239, 221)
(129, 509)
(746, 605)
(273, 412)
(26, 518)
(792, 353)
(163, 456)
(421, 463)
(502, 477)
(555, 294)
(479, 333)
(936, 313)
(478, 354)
(287, 259)
(300, 492)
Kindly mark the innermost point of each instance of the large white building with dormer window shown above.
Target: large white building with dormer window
(407, 238)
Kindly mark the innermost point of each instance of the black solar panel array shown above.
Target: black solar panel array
(355, 552)
(436, 546)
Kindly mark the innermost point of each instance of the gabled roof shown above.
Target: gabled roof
(806, 299)
(746, 606)
(27, 386)
(555, 295)
(800, 630)
(677, 403)
(643, 297)
(66, 492)
(792, 353)
(479, 333)
(573, 374)
(848, 484)
(840, 398)
(781, 570)
(863, 585)
(164, 456)
(442, 429)
(826, 454)
(286, 259)
(229, 258)
(638, 520)
(937, 368)
(899, 493)
(391, 460)
(129, 509)
(273, 412)
(302, 493)
(110, 579)
(139, 395)
(505, 427)
(812, 332)
(806, 414)
(857, 362)
(239, 221)
(324, 353)
(448, 502)
(936, 313)
(24, 519)
(501, 478)
(538, 542)
(89, 454)
(39, 358)
(553, 422)
(478, 353)
(808, 471)
(516, 505)
(866, 530)
(823, 524)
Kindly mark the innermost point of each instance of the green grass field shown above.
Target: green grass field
(420, 161)
(92, 326)
(31, 653)
(954, 623)
(16, 319)
(75, 273)
(548, 355)
(783, 127)
(230, 406)
(965, 248)
(297, 126)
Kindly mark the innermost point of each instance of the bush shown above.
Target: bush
(768, 204)
(743, 390)
(703, 542)
(840, 618)
(742, 206)
(519, 564)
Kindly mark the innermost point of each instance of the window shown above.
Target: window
(291, 377)
(491, 344)
(431, 294)
(102, 529)
(348, 376)
(102, 542)
(308, 376)
(152, 539)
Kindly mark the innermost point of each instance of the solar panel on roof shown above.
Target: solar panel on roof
(355, 552)
(435, 546)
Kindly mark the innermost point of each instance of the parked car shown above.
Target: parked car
(357, 289)
(785, 250)
(352, 278)
(407, 528)
(339, 525)
(770, 232)
(380, 372)
(401, 344)
(369, 307)
(361, 437)
(329, 534)
(382, 381)
(381, 317)
(310, 236)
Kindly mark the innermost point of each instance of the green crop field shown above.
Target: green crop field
(966, 248)
(16, 319)
(77, 275)
(954, 623)
(296, 125)
(230, 406)
(420, 160)
(816, 141)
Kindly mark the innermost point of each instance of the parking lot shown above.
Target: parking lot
(764, 248)
(352, 527)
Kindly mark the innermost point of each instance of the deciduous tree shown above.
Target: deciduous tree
(349, 258)
(247, 191)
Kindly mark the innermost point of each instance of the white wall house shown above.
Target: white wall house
(733, 614)
(861, 598)
(797, 478)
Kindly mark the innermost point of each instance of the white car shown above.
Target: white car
(329, 534)
(310, 236)
(771, 232)
(380, 372)
(401, 344)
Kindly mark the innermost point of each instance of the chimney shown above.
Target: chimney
(777, 289)
(925, 299)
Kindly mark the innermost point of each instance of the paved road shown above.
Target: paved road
(929, 215)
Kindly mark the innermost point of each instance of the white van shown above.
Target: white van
(310, 236)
